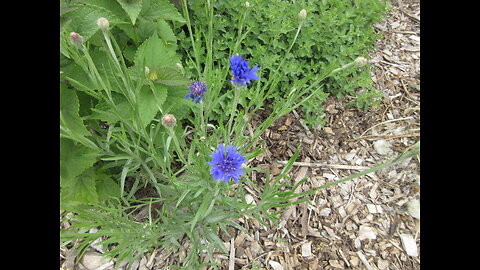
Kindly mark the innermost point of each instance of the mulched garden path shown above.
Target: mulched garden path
(371, 222)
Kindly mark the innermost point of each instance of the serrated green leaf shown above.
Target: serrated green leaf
(148, 104)
(132, 7)
(154, 54)
(166, 33)
(74, 159)
(106, 187)
(70, 122)
(170, 76)
(84, 20)
(69, 107)
(81, 188)
(160, 9)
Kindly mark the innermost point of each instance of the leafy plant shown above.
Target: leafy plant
(333, 34)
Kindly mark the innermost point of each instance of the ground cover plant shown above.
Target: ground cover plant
(148, 98)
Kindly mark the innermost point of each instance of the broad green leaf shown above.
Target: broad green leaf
(81, 188)
(112, 6)
(132, 7)
(105, 112)
(70, 122)
(166, 33)
(74, 159)
(69, 107)
(160, 9)
(170, 76)
(106, 187)
(84, 20)
(148, 105)
(154, 54)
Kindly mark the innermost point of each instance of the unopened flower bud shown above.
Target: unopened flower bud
(152, 75)
(147, 71)
(361, 61)
(76, 40)
(303, 14)
(103, 24)
(247, 4)
(169, 121)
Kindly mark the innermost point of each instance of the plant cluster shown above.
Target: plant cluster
(138, 109)
(334, 33)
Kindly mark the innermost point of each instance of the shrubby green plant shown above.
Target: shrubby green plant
(333, 34)
(129, 108)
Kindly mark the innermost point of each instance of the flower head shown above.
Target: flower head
(103, 23)
(241, 72)
(76, 39)
(302, 14)
(169, 121)
(197, 90)
(226, 163)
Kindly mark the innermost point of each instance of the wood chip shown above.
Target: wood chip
(364, 260)
(307, 249)
(366, 232)
(231, 262)
(409, 244)
(275, 265)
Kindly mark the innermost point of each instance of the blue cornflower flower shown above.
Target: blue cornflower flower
(226, 164)
(197, 90)
(241, 72)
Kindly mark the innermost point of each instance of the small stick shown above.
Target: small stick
(384, 136)
(388, 121)
(323, 165)
(231, 263)
(364, 260)
(343, 257)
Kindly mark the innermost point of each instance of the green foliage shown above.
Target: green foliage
(114, 88)
(334, 33)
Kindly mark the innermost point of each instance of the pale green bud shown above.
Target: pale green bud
(103, 24)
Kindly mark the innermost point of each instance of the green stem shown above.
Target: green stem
(177, 146)
(202, 120)
(234, 109)
(189, 26)
(290, 48)
(413, 152)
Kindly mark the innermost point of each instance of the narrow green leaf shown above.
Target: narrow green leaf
(201, 210)
(217, 241)
(184, 194)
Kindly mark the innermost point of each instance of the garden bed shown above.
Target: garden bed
(365, 223)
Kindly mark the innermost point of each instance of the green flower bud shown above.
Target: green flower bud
(169, 121)
(103, 24)
(303, 14)
(76, 40)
